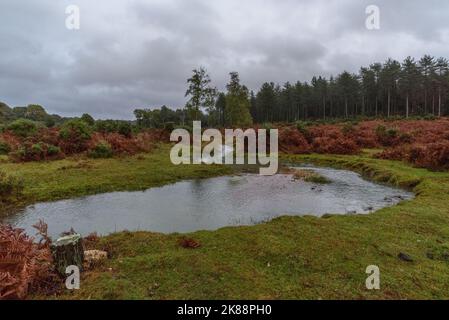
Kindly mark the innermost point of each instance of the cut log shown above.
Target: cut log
(68, 251)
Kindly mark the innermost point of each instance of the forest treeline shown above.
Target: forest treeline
(381, 90)
(390, 89)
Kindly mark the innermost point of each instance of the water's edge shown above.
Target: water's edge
(209, 204)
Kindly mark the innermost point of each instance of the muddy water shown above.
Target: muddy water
(211, 204)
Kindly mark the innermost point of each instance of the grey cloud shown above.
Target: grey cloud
(139, 53)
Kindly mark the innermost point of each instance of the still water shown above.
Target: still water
(211, 204)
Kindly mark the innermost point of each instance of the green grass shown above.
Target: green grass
(310, 176)
(287, 258)
(317, 179)
(75, 177)
(294, 257)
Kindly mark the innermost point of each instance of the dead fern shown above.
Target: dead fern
(24, 264)
(188, 243)
(42, 231)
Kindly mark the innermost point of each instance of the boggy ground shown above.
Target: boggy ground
(81, 176)
(287, 258)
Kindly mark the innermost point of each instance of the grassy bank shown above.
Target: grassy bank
(288, 258)
(293, 257)
(74, 177)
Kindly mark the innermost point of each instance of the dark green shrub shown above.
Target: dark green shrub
(53, 150)
(387, 136)
(87, 118)
(267, 126)
(75, 128)
(10, 187)
(106, 126)
(383, 132)
(101, 150)
(23, 128)
(28, 152)
(5, 148)
(50, 122)
(35, 112)
(125, 128)
(74, 135)
(392, 133)
(169, 126)
(302, 127)
(35, 152)
(38, 149)
(185, 127)
(114, 126)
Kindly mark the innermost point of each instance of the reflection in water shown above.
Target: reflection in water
(211, 203)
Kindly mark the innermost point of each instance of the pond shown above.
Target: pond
(210, 204)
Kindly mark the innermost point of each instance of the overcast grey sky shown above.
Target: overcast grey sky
(139, 53)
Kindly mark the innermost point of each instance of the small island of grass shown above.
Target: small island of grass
(308, 175)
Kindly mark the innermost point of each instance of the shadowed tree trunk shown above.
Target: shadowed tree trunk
(68, 251)
(407, 107)
(389, 103)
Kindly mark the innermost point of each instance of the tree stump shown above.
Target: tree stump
(68, 251)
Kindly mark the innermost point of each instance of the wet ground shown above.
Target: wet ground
(211, 204)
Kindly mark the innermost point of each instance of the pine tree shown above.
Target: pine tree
(427, 67)
(202, 95)
(408, 81)
(442, 70)
(389, 76)
(265, 102)
(348, 87)
(237, 111)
